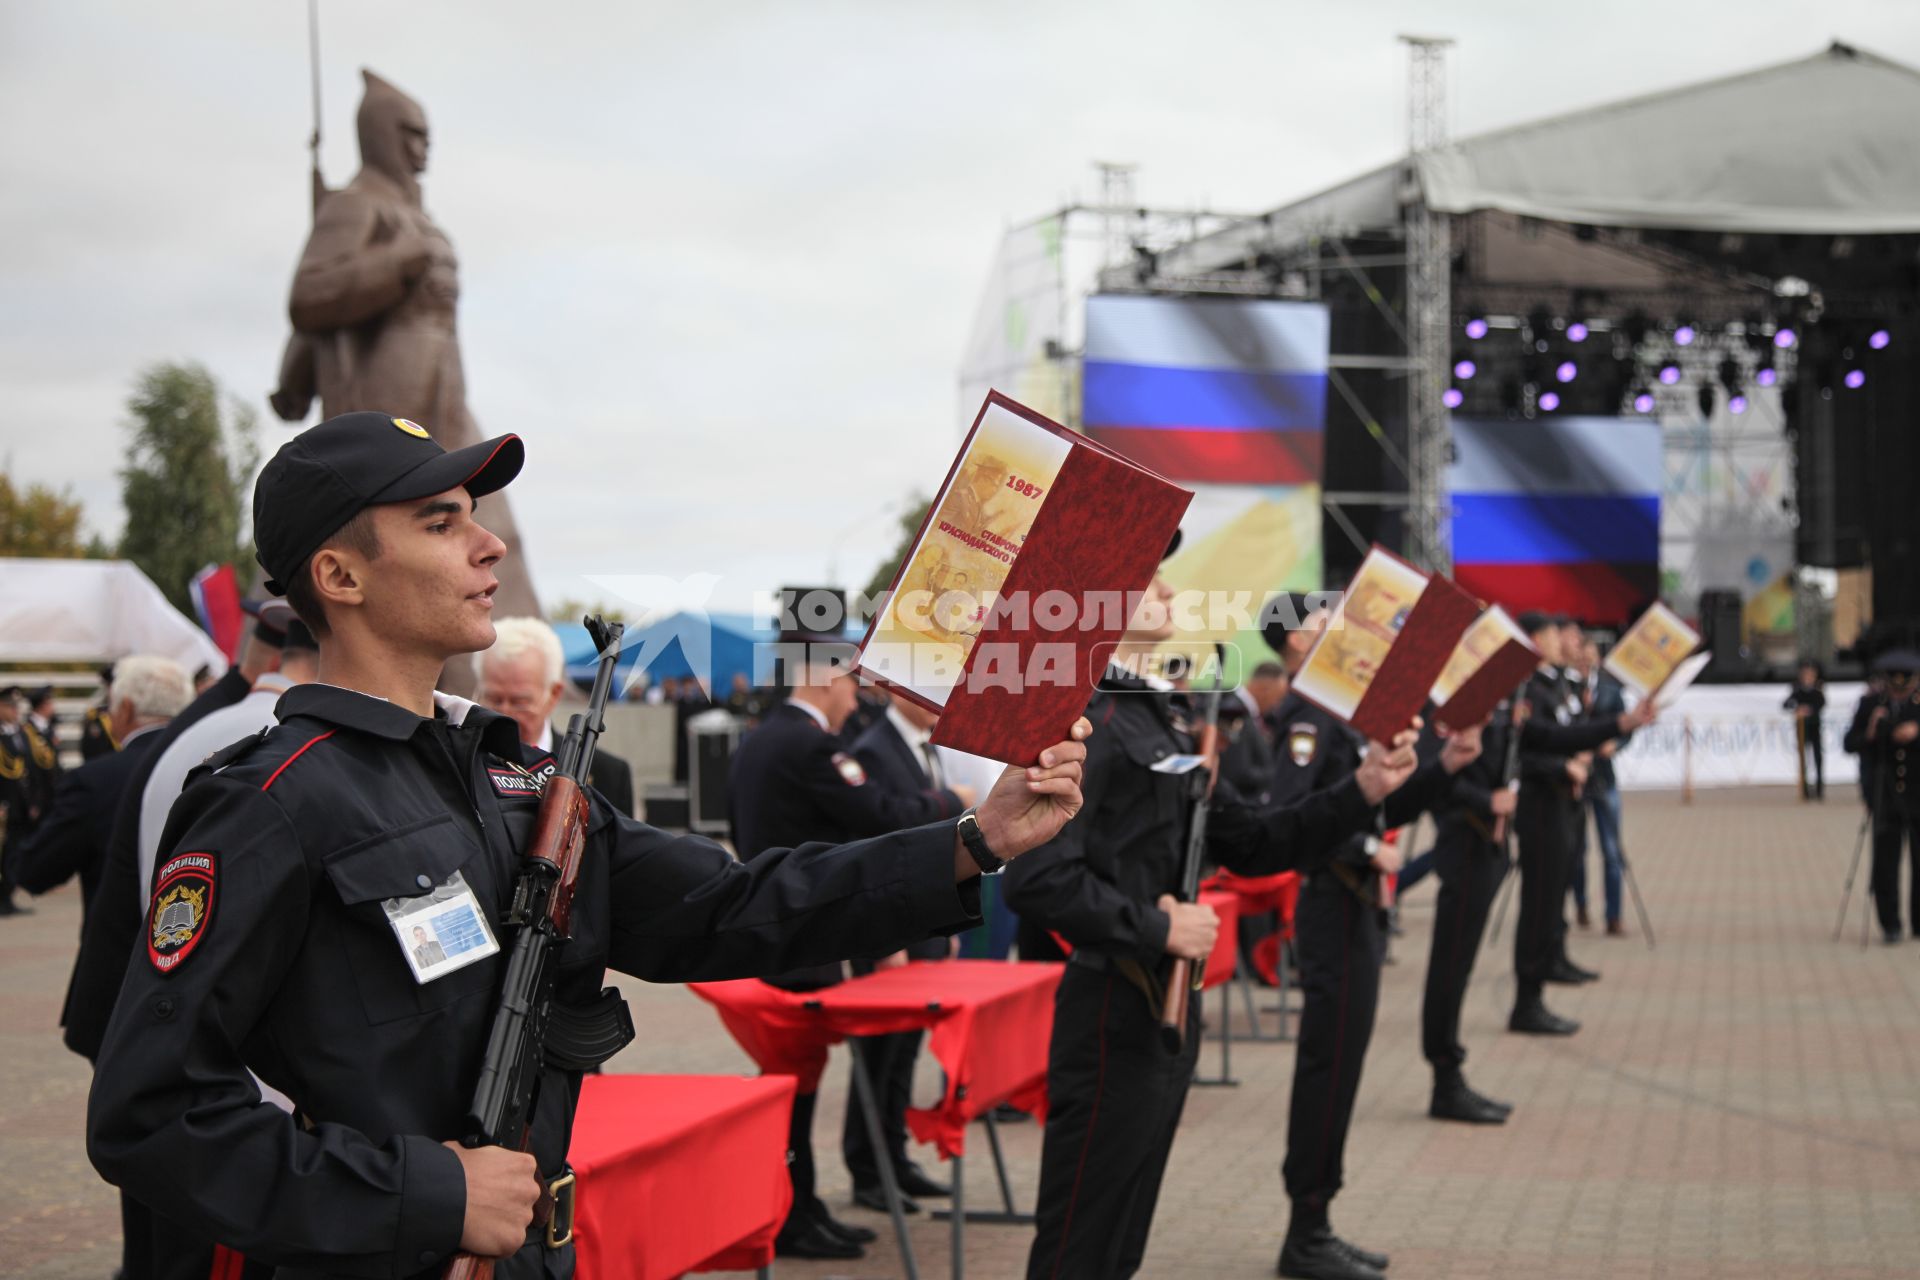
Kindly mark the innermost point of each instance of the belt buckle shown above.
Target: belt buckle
(562, 1191)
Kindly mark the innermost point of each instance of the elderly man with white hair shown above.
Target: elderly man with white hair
(72, 839)
(522, 678)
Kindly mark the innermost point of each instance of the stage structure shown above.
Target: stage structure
(1737, 261)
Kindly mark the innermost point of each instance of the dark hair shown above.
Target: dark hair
(1269, 671)
(357, 535)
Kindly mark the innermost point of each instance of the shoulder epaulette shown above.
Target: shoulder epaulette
(227, 755)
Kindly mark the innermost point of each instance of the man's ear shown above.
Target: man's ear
(338, 578)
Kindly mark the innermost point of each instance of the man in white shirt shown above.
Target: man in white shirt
(299, 661)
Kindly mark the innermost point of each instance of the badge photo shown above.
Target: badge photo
(182, 908)
(441, 930)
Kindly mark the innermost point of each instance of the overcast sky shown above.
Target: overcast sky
(718, 260)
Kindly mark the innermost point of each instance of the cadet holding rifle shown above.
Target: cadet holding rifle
(1109, 884)
(298, 865)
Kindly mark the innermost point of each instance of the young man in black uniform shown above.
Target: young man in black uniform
(1551, 736)
(1807, 699)
(789, 783)
(1340, 938)
(274, 944)
(1866, 713)
(1891, 735)
(1106, 885)
(1471, 862)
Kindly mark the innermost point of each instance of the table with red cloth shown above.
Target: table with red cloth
(988, 1024)
(678, 1173)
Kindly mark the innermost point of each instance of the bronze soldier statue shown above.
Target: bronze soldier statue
(373, 308)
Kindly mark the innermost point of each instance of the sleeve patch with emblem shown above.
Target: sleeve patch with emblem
(850, 769)
(181, 910)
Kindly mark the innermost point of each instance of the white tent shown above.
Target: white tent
(93, 611)
(1821, 145)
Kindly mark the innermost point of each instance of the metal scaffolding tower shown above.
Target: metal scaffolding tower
(1429, 311)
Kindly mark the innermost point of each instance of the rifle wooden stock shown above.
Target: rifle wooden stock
(464, 1266)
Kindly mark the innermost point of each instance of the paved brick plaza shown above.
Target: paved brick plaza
(1744, 1101)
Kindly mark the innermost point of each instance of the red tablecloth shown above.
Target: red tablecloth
(679, 1174)
(1226, 947)
(989, 1022)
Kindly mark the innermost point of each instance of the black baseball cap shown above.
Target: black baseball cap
(1534, 621)
(1284, 613)
(1898, 662)
(328, 474)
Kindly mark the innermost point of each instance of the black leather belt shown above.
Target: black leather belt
(1098, 961)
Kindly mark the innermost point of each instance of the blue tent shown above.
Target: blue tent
(657, 648)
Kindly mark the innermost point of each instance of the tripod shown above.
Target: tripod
(1853, 869)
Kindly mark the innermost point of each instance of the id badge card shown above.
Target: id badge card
(441, 930)
(1177, 764)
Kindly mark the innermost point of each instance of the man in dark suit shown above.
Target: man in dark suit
(790, 784)
(899, 757)
(1247, 758)
(71, 839)
(522, 678)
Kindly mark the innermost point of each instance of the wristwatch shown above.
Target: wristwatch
(977, 848)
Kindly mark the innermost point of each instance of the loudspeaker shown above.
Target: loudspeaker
(1720, 631)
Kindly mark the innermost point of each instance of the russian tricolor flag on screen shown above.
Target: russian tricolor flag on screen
(1218, 391)
(1561, 514)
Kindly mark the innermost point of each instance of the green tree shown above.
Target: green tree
(42, 523)
(910, 521)
(189, 469)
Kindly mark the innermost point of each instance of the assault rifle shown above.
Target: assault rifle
(530, 1032)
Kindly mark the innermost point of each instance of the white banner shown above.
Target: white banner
(1734, 735)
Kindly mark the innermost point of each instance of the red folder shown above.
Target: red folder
(1499, 674)
(1400, 684)
(1102, 529)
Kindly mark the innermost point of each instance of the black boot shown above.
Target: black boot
(1315, 1253)
(1533, 1018)
(1453, 1100)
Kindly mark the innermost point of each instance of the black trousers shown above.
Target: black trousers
(1541, 826)
(1115, 1093)
(889, 1061)
(1891, 824)
(1341, 945)
(1471, 868)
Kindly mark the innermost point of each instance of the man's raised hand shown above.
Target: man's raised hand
(1028, 806)
(1387, 765)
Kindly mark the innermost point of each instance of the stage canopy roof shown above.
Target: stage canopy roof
(1821, 145)
(93, 611)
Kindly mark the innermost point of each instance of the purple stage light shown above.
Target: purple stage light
(1464, 370)
(1766, 375)
(1783, 338)
(1738, 404)
(1643, 403)
(1476, 328)
(1683, 336)
(1576, 332)
(1549, 400)
(1453, 397)
(1669, 374)
(1567, 371)
(1855, 379)
(1879, 339)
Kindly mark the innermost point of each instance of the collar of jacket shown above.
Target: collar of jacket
(365, 713)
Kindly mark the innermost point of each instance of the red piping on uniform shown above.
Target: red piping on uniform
(295, 756)
(1093, 1118)
(504, 441)
(227, 1264)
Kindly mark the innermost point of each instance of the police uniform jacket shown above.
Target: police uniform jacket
(1246, 753)
(1467, 814)
(71, 839)
(283, 961)
(1319, 751)
(1899, 762)
(1096, 883)
(790, 782)
(1857, 743)
(1553, 733)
